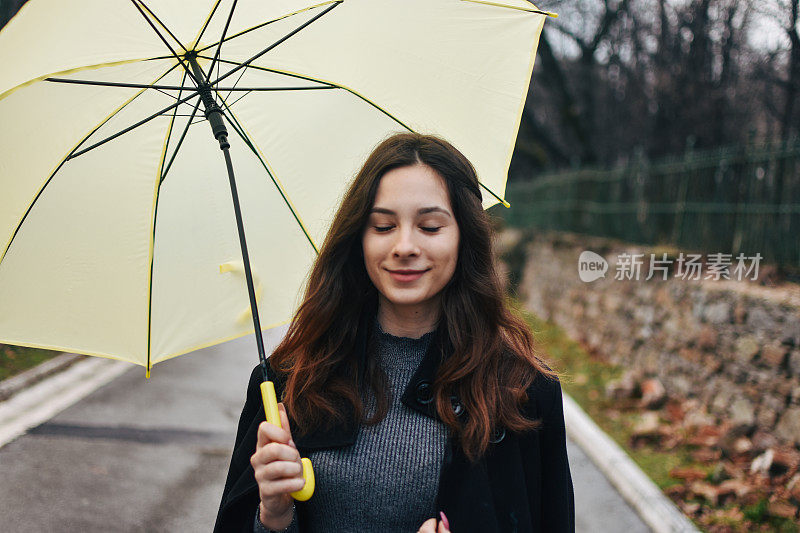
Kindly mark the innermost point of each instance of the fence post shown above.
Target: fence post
(680, 204)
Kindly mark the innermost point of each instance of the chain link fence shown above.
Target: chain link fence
(743, 199)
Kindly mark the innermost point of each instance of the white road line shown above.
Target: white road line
(652, 505)
(43, 401)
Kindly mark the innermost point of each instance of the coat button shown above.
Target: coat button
(498, 435)
(424, 394)
(458, 407)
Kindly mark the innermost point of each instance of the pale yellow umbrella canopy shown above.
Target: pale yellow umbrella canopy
(126, 246)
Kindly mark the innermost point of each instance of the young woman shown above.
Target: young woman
(404, 377)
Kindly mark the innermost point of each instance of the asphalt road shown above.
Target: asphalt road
(151, 455)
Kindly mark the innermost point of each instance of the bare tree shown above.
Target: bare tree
(576, 98)
(615, 77)
(788, 13)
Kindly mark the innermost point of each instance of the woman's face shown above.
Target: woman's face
(410, 242)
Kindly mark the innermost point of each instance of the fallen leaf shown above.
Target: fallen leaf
(688, 473)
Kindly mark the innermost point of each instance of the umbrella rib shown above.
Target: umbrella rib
(529, 10)
(154, 218)
(267, 89)
(119, 84)
(232, 103)
(239, 129)
(243, 32)
(180, 141)
(172, 124)
(356, 94)
(222, 40)
(163, 39)
(67, 158)
(129, 128)
(276, 43)
(162, 88)
(207, 22)
(236, 83)
(167, 94)
(135, 86)
(80, 69)
(152, 14)
(330, 85)
(275, 71)
(502, 201)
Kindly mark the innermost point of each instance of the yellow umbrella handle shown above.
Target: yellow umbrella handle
(273, 417)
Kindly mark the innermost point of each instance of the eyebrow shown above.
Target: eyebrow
(421, 211)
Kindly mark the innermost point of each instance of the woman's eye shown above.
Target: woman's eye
(383, 228)
(432, 230)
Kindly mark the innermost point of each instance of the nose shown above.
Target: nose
(405, 244)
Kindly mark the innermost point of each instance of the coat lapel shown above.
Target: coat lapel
(418, 394)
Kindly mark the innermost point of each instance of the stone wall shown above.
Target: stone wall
(733, 346)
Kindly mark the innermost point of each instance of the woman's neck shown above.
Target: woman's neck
(407, 321)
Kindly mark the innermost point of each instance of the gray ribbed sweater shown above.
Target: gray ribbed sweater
(388, 480)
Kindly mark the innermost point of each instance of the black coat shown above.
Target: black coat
(521, 484)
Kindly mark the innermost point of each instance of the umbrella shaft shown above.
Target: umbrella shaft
(223, 142)
(214, 115)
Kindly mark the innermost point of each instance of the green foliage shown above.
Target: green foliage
(16, 359)
(756, 512)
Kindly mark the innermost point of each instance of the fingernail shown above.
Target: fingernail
(444, 519)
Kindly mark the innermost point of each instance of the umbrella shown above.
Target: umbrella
(117, 237)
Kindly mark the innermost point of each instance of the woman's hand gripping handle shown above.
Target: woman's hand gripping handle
(273, 417)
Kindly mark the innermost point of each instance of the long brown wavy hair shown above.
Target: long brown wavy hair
(492, 361)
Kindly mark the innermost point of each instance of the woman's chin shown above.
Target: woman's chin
(397, 298)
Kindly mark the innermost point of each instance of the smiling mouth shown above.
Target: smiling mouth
(405, 276)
